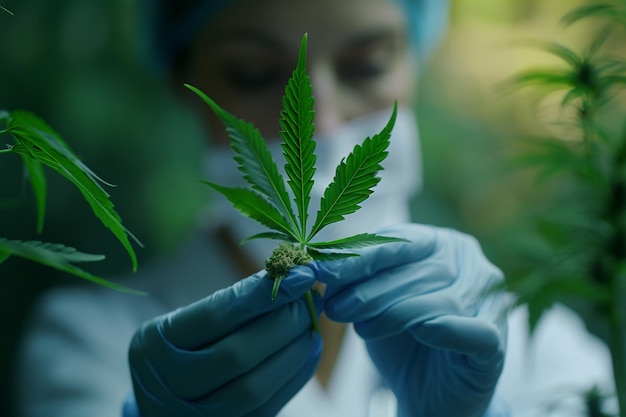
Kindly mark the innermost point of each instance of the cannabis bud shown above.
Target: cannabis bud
(283, 258)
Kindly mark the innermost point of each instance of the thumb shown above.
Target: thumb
(228, 309)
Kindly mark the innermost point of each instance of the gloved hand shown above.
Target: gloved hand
(435, 337)
(234, 353)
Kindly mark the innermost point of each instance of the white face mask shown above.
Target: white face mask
(387, 205)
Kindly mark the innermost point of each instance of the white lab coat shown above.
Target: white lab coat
(73, 361)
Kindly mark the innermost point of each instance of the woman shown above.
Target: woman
(405, 326)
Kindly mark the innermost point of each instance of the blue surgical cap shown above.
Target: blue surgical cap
(167, 26)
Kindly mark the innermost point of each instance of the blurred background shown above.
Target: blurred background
(74, 63)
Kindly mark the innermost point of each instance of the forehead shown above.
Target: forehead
(330, 23)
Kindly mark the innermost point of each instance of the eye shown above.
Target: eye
(252, 79)
(366, 63)
(356, 72)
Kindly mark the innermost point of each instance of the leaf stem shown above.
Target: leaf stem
(309, 302)
(9, 148)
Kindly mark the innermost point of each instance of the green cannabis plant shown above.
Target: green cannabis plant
(579, 249)
(39, 146)
(267, 200)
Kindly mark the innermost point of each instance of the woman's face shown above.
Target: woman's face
(358, 58)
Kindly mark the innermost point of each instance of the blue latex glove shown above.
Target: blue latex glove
(420, 307)
(234, 353)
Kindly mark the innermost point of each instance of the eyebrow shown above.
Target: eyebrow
(247, 35)
(268, 41)
(372, 36)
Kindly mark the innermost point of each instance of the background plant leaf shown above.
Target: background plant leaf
(354, 179)
(566, 54)
(595, 10)
(297, 127)
(551, 156)
(36, 140)
(57, 256)
(596, 42)
(4, 255)
(37, 179)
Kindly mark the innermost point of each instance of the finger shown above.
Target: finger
(269, 390)
(470, 336)
(271, 384)
(406, 314)
(287, 392)
(478, 341)
(438, 322)
(369, 298)
(422, 244)
(193, 374)
(223, 312)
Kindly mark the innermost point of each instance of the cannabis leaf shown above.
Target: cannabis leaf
(57, 256)
(40, 146)
(267, 200)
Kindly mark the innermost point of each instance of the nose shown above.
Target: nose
(327, 94)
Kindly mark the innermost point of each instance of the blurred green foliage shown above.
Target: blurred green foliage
(74, 63)
(579, 250)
